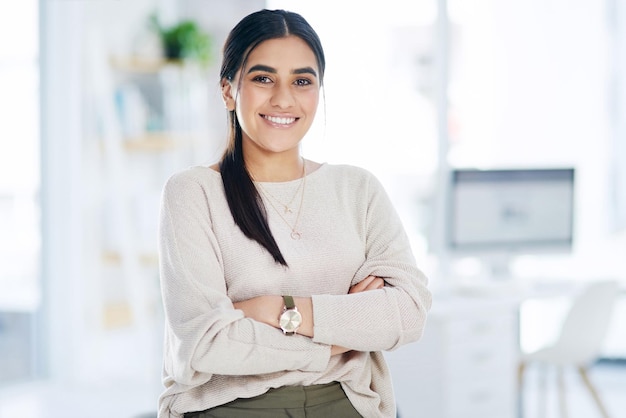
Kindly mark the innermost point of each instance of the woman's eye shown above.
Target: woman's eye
(262, 79)
(303, 82)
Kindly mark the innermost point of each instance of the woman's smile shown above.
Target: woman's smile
(280, 121)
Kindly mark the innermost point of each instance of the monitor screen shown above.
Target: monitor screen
(512, 210)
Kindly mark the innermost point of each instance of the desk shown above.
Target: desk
(465, 365)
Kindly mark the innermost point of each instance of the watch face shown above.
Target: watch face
(290, 320)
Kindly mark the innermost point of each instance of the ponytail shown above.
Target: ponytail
(243, 197)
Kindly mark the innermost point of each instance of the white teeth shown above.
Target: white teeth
(280, 121)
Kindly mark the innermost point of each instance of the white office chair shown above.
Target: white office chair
(579, 342)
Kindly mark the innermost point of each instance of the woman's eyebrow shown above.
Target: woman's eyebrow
(271, 70)
(304, 70)
(261, 67)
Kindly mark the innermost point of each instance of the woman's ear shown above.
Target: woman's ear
(227, 95)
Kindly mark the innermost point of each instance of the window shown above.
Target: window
(380, 100)
(19, 187)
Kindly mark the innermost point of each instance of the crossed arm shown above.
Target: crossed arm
(267, 308)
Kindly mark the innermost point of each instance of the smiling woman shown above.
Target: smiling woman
(283, 279)
(280, 90)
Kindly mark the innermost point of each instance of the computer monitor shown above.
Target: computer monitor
(497, 214)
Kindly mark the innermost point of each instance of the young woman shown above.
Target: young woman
(283, 279)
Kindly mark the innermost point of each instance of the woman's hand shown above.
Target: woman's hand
(368, 283)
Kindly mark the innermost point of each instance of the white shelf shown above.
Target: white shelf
(143, 65)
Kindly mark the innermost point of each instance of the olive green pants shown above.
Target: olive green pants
(323, 401)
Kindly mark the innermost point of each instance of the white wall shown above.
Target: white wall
(552, 104)
(61, 190)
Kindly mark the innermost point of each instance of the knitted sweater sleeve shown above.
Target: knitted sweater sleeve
(202, 326)
(381, 319)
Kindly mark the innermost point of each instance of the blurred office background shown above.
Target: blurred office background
(94, 118)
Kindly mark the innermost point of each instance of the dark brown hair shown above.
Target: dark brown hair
(243, 198)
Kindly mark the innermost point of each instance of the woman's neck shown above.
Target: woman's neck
(276, 169)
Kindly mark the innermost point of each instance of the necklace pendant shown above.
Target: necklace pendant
(288, 210)
(295, 235)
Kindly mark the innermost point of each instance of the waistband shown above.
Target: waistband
(292, 397)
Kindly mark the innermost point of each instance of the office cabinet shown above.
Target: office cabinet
(465, 365)
(17, 345)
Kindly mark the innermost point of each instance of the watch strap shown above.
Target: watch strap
(289, 303)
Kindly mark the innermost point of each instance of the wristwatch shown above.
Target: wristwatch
(290, 320)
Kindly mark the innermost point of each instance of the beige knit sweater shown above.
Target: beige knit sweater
(213, 354)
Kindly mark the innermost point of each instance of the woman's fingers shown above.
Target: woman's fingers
(369, 283)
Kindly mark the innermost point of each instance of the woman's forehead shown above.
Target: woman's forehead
(288, 52)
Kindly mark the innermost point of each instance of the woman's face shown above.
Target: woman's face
(276, 95)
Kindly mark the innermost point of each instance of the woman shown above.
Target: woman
(283, 279)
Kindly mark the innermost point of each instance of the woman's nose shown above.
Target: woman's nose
(282, 97)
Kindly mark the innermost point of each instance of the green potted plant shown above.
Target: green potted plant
(183, 41)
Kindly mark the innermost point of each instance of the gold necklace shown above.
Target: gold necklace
(286, 206)
(295, 234)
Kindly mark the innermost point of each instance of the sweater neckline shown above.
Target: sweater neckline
(309, 176)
